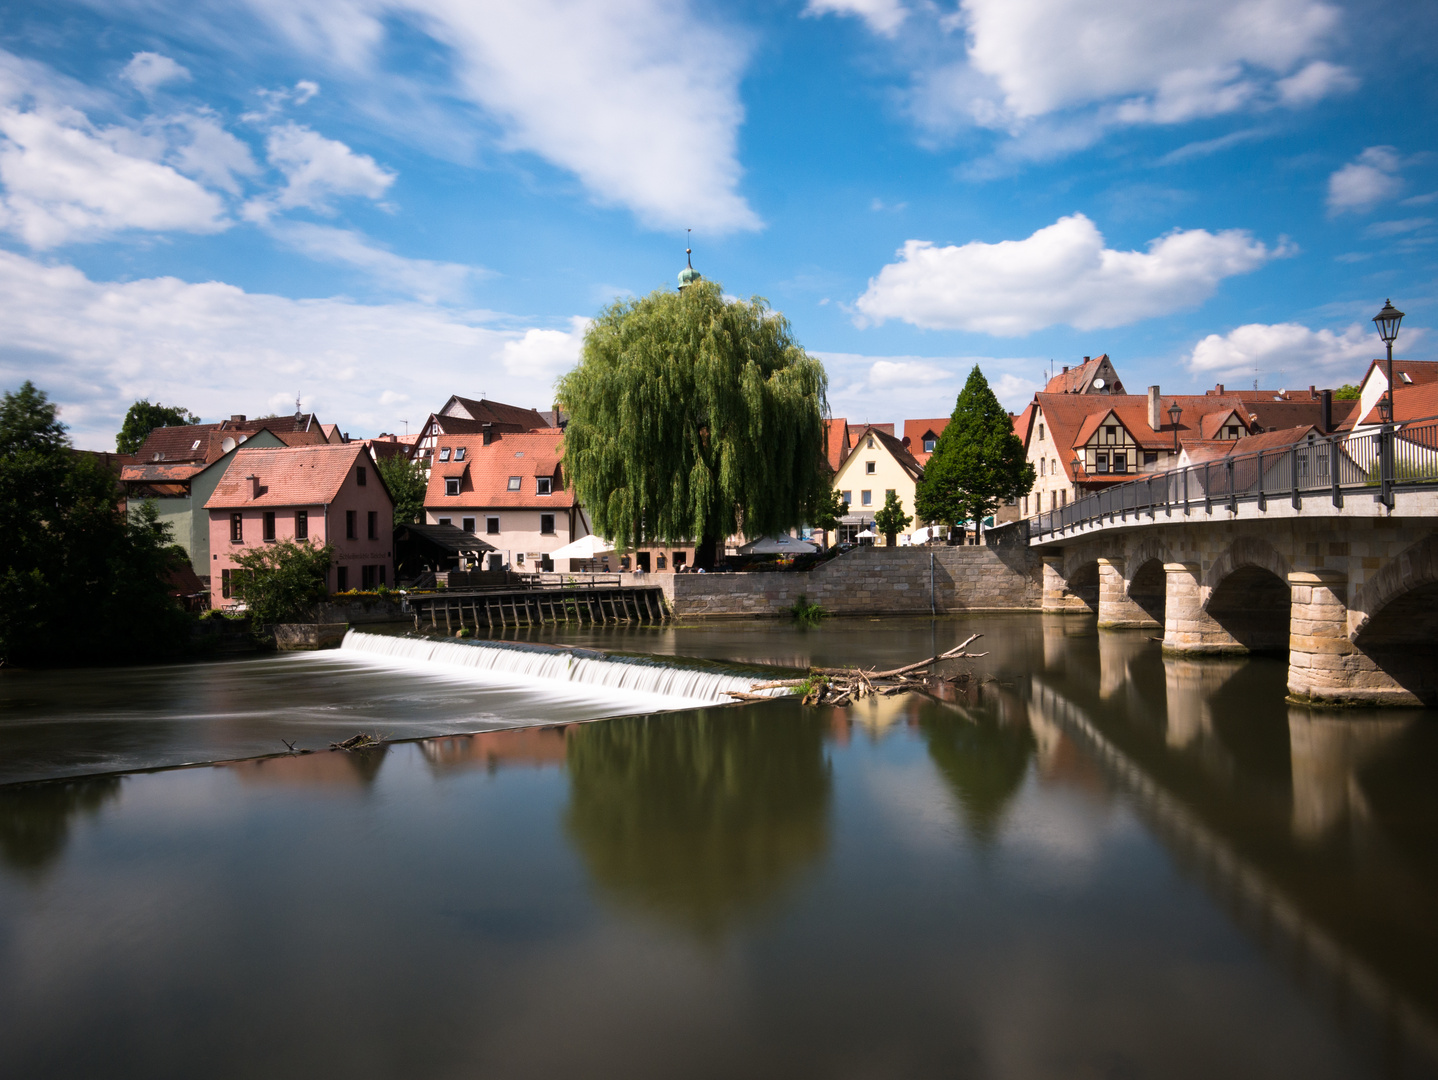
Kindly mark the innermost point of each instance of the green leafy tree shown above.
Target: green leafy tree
(144, 418)
(891, 519)
(691, 416)
(1347, 392)
(80, 581)
(407, 485)
(282, 582)
(829, 509)
(978, 462)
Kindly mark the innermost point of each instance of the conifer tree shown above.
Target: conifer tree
(692, 417)
(891, 518)
(978, 463)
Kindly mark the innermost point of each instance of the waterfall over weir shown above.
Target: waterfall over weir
(520, 664)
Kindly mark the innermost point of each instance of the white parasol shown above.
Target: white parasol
(586, 547)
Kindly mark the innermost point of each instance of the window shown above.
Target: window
(514, 483)
(360, 478)
(681, 558)
(871, 442)
(446, 521)
(467, 524)
(546, 524)
(869, 467)
(451, 485)
(543, 485)
(380, 568)
(1150, 457)
(660, 563)
(848, 497)
(302, 524)
(491, 526)
(1043, 466)
(929, 443)
(372, 525)
(351, 524)
(237, 528)
(1041, 433)
(342, 579)
(367, 577)
(1110, 433)
(459, 453)
(1233, 431)
(269, 525)
(1100, 463)
(1063, 498)
(225, 584)
(1120, 463)
(1026, 506)
(866, 498)
(444, 453)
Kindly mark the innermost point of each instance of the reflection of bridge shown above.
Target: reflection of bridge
(1328, 549)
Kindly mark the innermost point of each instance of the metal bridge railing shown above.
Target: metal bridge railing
(1376, 461)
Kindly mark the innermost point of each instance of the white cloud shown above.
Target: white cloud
(1061, 274)
(1364, 183)
(1014, 391)
(882, 16)
(423, 279)
(546, 353)
(1129, 61)
(1282, 347)
(637, 98)
(1397, 228)
(96, 346)
(207, 152)
(147, 71)
(908, 373)
(891, 388)
(317, 170)
(66, 180)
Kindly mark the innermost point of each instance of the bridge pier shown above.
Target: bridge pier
(1060, 595)
(1189, 630)
(1325, 667)
(1115, 608)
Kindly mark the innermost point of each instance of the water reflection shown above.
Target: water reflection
(357, 769)
(35, 821)
(703, 818)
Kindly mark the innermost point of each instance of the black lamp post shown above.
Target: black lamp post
(1174, 412)
(1388, 320)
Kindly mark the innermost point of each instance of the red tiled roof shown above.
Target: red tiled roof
(486, 470)
(313, 437)
(157, 472)
(914, 432)
(836, 434)
(856, 429)
(276, 424)
(289, 475)
(1211, 424)
(182, 442)
(1074, 380)
(1024, 422)
(496, 412)
(1418, 402)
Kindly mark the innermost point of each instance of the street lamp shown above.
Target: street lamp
(1174, 412)
(1388, 320)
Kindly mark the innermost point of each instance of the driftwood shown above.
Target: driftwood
(840, 686)
(362, 741)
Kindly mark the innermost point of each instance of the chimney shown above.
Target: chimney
(238, 418)
(1066, 369)
(488, 429)
(1086, 359)
(254, 485)
(1218, 388)
(1155, 413)
(1325, 412)
(1312, 394)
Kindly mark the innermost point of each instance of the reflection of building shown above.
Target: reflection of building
(538, 747)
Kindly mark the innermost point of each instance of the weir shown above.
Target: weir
(523, 664)
(499, 609)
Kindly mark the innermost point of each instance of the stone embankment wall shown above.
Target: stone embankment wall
(868, 581)
(357, 610)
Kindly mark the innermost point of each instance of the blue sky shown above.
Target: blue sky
(373, 204)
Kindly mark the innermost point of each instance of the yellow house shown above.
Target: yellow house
(877, 464)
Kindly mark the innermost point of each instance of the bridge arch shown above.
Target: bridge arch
(1246, 592)
(1081, 580)
(1398, 625)
(1146, 581)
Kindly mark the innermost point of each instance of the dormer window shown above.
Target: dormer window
(515, 482)
(544, 485)
(929, 443)
(451, 485)
(1110, 433)
(1232, 431)
(444, 453)
(459, 453)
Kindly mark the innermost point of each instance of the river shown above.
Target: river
(1088, 860)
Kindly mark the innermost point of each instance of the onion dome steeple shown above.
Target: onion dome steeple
(688, 276)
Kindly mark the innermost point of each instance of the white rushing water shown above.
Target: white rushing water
(514, 664)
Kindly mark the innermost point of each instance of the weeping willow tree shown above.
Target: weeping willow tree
(691, 418)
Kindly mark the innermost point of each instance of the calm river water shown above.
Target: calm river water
(1091, 862)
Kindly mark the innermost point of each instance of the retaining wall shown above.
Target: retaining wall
(868, 581)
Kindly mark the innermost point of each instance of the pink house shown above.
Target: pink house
(323, 494)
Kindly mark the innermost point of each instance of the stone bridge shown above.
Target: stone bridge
(1347, 586)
